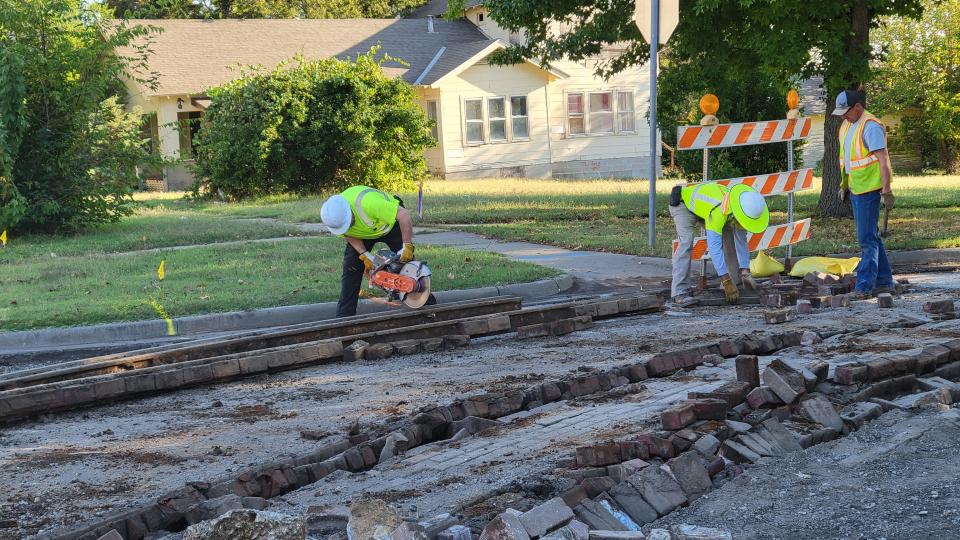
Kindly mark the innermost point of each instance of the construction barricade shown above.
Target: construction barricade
(712, 135)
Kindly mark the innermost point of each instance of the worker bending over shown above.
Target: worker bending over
(364, 216)
(714, 207)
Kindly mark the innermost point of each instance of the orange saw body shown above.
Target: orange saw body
(405, 283)
(394, 282)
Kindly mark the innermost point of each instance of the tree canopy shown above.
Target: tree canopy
(727, 41)
(921, 69)
(68, 151)
(260, 9)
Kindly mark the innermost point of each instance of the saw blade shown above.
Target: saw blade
(418, 299)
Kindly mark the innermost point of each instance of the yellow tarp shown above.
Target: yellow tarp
(765, 266)
(827, 265)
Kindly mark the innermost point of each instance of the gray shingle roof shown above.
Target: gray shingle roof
(191, 56)
(453, 57)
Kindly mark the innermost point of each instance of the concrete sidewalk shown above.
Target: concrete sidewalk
(593, 266)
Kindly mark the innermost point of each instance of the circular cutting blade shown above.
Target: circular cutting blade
(418, 299)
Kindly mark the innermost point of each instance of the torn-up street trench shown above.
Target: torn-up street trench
(793, 415)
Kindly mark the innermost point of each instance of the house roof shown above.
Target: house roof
(438, 8)
(191, 56)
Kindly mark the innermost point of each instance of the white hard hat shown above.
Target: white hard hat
(336, 214)
(752, 204)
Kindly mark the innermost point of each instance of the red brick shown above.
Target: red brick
(664, 364)
(729, 348)
(710, 408)
(762, 396)
(905, 363)
(850, 374)
(880, 369)
(657, 446)
(598, 485)
(939, 306)
(633, 450)
(638, 372)
(748, 369)
(599, 455)
(574, 496)
(678, 417)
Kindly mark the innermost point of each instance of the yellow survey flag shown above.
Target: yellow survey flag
(161, 270)
(3, 238)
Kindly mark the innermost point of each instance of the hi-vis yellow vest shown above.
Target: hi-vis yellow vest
(706, 202)
(374, 212)
(864, 174)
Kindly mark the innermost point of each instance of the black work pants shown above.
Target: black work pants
(352, 277)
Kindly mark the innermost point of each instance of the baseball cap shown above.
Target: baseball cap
(846, 100)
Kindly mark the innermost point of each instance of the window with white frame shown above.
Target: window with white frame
(473, 117)
(432, 116)
(575, 115)
(519, 122)
(626, 117)
(497, 118)
(600, 113)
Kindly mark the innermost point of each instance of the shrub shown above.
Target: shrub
(68, 151)
(310, 126)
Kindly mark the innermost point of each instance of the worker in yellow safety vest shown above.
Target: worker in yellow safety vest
(364, 216)
(866, 173)
(715, 206)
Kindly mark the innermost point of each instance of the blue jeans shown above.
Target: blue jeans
(874, 268)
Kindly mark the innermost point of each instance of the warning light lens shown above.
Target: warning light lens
(709, 104)
(793, 99)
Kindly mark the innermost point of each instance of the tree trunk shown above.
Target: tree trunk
(831, 205)
(950, 157)
(858, 52)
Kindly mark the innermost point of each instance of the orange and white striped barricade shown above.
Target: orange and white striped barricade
(776, 236)
(711, 134)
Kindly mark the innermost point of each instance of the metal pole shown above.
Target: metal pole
(652, 203)
(703, 260)
(789, 208)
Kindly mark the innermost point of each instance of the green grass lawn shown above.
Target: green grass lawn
(611, 215)
(98, 287)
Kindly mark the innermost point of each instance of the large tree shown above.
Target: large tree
(68, 151)
(777, 39)
(921, 69)
(259, 9)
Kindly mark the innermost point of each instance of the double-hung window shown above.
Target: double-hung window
(626, 117)
(519, 122)
(600, 113)
(497, 118)
(473, 115)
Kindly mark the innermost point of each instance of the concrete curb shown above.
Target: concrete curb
(30, 340)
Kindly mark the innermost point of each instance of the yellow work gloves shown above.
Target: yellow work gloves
(730, 291)
(888, 200)
(747, 279)
(367, 259)
(406, 254)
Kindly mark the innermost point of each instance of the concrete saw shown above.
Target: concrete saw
(404, 283)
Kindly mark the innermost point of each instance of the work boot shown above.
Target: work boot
(684, 300)
(859, 295)
(881, 290)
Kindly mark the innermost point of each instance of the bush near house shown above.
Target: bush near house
(68, 151)
(318, 125)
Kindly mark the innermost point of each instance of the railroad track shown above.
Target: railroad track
(168, 368)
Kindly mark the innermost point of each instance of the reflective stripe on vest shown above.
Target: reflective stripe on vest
(710, 204)
(363, 215)
(864, 173)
